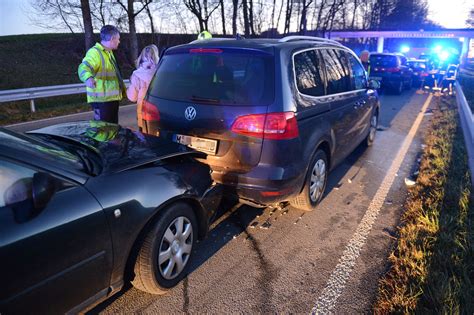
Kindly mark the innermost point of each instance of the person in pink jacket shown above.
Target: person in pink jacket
(140, 80)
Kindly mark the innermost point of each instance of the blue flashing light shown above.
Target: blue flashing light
(437, 48)
(405, 49)
(444, 55)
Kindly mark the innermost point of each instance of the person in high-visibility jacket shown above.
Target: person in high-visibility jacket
(100, 72)
(204, 35)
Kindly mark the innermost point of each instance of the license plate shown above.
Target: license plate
(200, 144)
(376, 78)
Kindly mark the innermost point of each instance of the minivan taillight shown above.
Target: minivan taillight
(393, 70)
(150, 112)
(275, 126)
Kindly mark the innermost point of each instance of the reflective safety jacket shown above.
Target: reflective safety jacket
(102, 66)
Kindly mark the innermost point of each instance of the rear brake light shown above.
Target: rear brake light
(392, 70)
(150, 112)
(275, 126)
(205, 50)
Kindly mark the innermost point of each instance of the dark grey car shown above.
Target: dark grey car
(273, 115)
(85, 207)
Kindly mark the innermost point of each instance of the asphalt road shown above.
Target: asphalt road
(289, 261)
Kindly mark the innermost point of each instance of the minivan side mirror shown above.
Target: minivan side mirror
(374, 84)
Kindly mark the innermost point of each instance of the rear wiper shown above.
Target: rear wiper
(204, 99)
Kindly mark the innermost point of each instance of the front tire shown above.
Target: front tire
(315, 183)
(164, 257)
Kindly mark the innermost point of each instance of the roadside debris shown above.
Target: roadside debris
(409, 182)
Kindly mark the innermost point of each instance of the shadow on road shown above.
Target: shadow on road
(233, 220)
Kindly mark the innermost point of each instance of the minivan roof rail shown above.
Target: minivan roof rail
(293, 38)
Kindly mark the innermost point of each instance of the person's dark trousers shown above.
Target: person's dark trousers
(106, 111)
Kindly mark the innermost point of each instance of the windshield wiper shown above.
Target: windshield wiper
(88, 165)
(204, 99)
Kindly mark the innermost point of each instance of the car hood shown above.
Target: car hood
(119, 148)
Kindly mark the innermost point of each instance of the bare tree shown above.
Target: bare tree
(131, 14)
(246, 17)
(470, 20)
(65, 14)
(289, 9)
(221, 3)
(202, 10)
(304, 13)
(86, 17)
(235, 10)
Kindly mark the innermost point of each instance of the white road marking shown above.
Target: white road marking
(339, 277)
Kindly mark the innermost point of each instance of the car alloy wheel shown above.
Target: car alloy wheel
(318, 180)
(315, 183)
(372, 129)
(175, 248)
(166, 251)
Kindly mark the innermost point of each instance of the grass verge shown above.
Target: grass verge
(432, 263)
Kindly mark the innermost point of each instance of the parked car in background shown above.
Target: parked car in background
(274, 116)
(420, 71)
(391, 70)
(85, 207)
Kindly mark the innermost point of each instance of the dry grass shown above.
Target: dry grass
(432, 265)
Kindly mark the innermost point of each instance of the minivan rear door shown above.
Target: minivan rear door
(200, 92)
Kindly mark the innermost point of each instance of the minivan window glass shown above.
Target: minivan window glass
(359, 79)
(337, 71)
(215, 76)
(308, 73)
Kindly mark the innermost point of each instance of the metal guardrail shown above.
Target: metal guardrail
(465, 110)
(467, 123)
(44, 91)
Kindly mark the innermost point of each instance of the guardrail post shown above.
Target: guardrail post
(32, 106)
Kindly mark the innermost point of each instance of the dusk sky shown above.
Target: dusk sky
(14, 15)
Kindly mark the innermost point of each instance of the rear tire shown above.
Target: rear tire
(165, 254)
(315, 183)
(374, 120)
(399, 88)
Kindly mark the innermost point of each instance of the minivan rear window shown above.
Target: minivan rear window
(383, 61)
(216, 76)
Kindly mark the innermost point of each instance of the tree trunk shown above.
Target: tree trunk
(246, 18)
(289, 9)
(86, 17)
(354, 12)
(152, 24)
(234, 16)
(223, 16)
(132, 31)
(251, 23)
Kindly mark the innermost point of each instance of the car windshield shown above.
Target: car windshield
(215, 76)
(383, 61)
(41, 150)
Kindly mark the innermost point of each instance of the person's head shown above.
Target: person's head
(109, 37)
(204, 35)
(149, 54)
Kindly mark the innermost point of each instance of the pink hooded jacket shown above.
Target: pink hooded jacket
(139, 83)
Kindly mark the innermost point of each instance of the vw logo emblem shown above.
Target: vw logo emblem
(190, 113)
